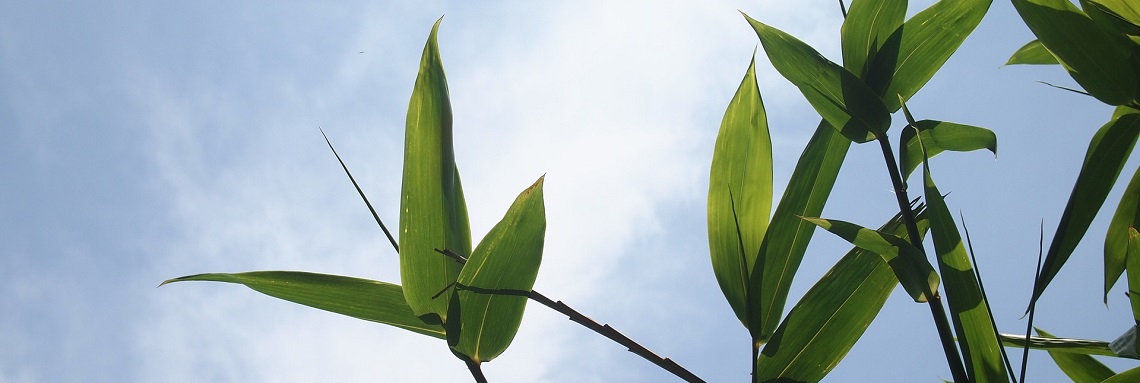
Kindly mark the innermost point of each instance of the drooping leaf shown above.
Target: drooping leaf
(1064, 345)
(358, 298)
(1080, 368)
(433, 214)
(914, 272)
(917, 49)
(1032, 53)
(968, 310)
(866, 28)
(1106, 156)
(824, 325)
(740, 194)
(1116, 241)
(1098, 60)
(489, 297)
(841, 98)
(939, 136)
(788, 236)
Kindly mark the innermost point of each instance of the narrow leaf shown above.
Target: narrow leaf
(1116, 241)
(1066, 345)
(939, 136)
(1134, 278)
(1032, 53)
(831, 316)
(865, 30)
(433, 213)
(917, 49)
(1080, 368)
(489, 298)
(1129, 376)
(841, 98)
(358, 298)
(740, 194)
(914, 272)
(1106, 156)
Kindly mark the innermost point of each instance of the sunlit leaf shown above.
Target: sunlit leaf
(968, 310)
(914, 272)
(358, 298)
(433, 214)
(1066, 345)
(1106, 156)
(916, 51)
(1032, 53)
(841, 98)
(740, 195)
(1080, 368)
(1098, 60)
(939, 136)
(490, 295)
(824, 325)
(1130, 376)
(1116, 241)
(1115, 16)
(866, 28)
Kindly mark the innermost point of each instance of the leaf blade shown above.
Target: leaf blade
(939, 136)
(1116, 239)
(866, 28)
(914, 272)
(1033, 53)
(1078, 367)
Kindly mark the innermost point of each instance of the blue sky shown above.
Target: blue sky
(149, 140)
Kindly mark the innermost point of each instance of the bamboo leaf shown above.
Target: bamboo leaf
(1115, 16)
(433, 214)
(1064, 345)
(1032, 53)
(740, 195)
(1134, 279)
(824, 325)
(914, 272)
(1129, 376)
(866, 28)
(1098, 60)
(939, 136)
(490, 295)
(788, 236)
(1116, 241)
(1080, 368)
(358, 298)
(917, 49)
(968, 310)
(841, 98)
(1106, 156)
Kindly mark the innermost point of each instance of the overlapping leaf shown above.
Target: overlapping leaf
(939, 136)
(489, 297)
(358, 298)
(866, 28)
(1080, 368)
(433, 214)
(914, 272)
(1032, 53)
(1116, 241)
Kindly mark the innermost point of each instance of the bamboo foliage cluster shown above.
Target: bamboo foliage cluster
(474, 298)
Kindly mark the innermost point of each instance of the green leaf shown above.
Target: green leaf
(788, 236)
(1116, 241)
(916, 51)
(1115, 16)
(939, 136)
(1134, 278)
(358, 298)
(740, 195)
(914, 272)
(972, 322)
(831, 316)
(1100, 61)
(841, 98)
(1106, 156)
(433, 214)
(1079, 368)
(490, 295)
(1129, 376)
(866, 28)
(1064, 345)
(1032, 53)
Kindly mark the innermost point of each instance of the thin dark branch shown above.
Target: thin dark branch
(476, 371)
(602, 329)
(986, 299)
(843, 9)
(1033, 302)
(361, 192)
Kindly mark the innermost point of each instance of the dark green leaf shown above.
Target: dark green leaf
(1116, 241)
(1080, 368)
(841, 98)
(433, 214)
(914, 272)
(916, 51)
(1107, 154)
(1032, 53)
(740, 195)
(358, 298)
(866, 28)
(490, 295)
(832, 315)
(1134, 279)
(938, 136)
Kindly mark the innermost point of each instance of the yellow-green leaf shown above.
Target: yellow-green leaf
(490, 295)
(1134, 278)
(1129, 376)
(1080, 368)
(1116, 240)
(939, 136)
(1032, 53)
(866, 28)
(909, 264)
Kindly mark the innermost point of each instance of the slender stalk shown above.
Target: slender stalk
(476, 371)
(1033, 303)
(933, 300)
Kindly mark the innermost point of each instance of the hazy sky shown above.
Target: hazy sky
(149, 140)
